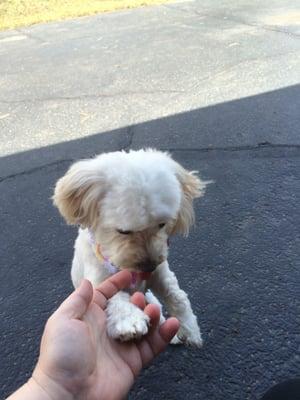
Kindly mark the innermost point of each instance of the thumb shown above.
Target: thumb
(77, 303)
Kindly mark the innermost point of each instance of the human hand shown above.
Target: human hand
(79, 360)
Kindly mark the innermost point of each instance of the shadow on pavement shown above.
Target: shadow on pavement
(240, 264)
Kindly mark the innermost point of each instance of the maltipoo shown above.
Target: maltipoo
(127, 205)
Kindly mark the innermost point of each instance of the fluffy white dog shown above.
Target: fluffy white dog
(127, 205)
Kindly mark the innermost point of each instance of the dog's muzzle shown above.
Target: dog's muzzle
(147, 266)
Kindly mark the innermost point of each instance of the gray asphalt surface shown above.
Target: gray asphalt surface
(218, 85)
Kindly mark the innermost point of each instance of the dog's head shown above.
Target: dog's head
(132, 202)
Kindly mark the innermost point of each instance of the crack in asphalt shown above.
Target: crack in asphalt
(259, 146)
(270, 28)
(91, 96)
(232, 18)
(131, 134)
(35, 169)
(161, 91)
(206, 78)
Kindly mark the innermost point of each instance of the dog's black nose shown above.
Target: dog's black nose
(147, 266)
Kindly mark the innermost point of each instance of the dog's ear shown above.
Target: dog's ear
(192, 187)
(78, 193)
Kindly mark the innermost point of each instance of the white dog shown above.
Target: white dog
(127, 205)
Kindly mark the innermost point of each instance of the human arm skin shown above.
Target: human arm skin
(78, 360)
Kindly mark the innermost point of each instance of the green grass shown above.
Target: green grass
(16, 13)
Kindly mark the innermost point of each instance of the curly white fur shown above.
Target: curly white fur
(131, 202)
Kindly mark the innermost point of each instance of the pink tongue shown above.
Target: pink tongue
(144, 275)
(138, 277)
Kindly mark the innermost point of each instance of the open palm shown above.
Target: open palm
(80, 360)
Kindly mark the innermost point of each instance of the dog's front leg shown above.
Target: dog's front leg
(125, 321)
(164, 284)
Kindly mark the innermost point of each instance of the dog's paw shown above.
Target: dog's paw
(189, 332)
(189, 338)
(176, 341)
(131, 326)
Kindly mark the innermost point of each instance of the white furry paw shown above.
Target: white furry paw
(189, 332)
(193, 339)
(132, 324)
(176, 341)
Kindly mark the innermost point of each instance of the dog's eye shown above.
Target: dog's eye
(161, 225)
(124, 232)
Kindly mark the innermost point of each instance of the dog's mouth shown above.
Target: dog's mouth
(140, 269)
(144, 275)
(148, 266)
(141, 266)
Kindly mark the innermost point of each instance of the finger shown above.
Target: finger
(138, 299)
(153, 312)
(157, 340)
(169, 329)
(77, 303)
(110, 287)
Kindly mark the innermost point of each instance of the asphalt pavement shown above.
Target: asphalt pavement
(215, 83)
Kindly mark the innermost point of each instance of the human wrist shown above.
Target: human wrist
(33, 390)
(47, 388)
